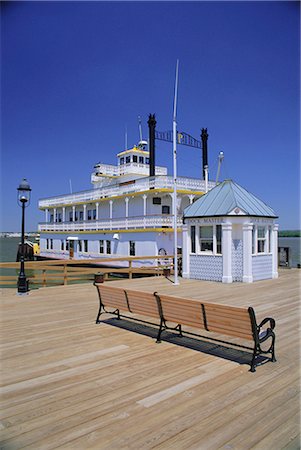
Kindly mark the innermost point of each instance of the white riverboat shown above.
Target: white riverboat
(128, 211)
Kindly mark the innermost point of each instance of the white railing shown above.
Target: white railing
(110, 170)
(156, 221)
(142, 184)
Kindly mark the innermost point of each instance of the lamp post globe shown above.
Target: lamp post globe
(24, 191)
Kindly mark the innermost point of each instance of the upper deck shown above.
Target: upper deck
(161, 182)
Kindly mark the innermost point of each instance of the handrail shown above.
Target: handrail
(60, 272)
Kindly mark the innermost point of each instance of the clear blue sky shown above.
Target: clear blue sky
(74, 74)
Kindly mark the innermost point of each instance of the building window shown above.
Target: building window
(89, 214)
(101, 246)
(51, 217)
(261, 239)
(165, 209)
(122, 160)
(128, 159)
(132, 248)
(85, 245)
(206, 238)
(76, 216)
(81, 216)
(70, 216)
(141, 160)
(135, 158)
(94, 214)
(156, 200)
(270, 239)
(51, 244)
(59, 217)
(62, 245)
(108, 243)
(80, 246)
(67, 245)
(219, 239)
(192, 234)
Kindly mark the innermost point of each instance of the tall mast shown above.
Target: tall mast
(174, 129)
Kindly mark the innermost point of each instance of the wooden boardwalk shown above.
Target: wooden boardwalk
(69, 383)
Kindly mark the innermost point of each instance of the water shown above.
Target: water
(295, 244)
(9, 249)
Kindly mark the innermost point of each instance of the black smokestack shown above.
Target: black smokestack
(204, 137)
(152, 126)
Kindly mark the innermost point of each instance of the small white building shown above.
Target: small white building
(229, 235)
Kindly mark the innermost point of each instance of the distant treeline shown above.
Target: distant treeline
(289, 233)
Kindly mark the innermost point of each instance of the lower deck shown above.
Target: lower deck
(69, 383)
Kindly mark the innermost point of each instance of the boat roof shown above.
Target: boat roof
(228, 199)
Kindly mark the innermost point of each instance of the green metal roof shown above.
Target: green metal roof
(228, 198)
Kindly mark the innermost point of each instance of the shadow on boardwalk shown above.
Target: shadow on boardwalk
(201, 344)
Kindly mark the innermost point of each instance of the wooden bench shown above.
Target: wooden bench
(222, 319)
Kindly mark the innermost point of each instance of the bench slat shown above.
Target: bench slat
(143, 303)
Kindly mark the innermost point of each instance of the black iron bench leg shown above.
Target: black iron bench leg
(161, 329)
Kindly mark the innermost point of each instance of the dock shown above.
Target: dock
(69, 383)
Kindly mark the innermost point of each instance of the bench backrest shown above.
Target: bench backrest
(182, 310)
(113, 297)
(144, 303)
(221, 319)
(228, 320)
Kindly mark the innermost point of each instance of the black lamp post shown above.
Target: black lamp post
(23, 201)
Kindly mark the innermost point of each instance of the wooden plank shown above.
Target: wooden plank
(72, 396)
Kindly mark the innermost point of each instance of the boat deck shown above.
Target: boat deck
(69, 383)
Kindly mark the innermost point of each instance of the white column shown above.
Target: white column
(85, 212)
(144, 204)
(97, 210)
(274, 248)
(46, 214)
(126, 206)
(73, 213)
(247, 253)
(191, 197)
(64, 214)
(54, 215)
(111, 208)
(185, 252)
(227, 252)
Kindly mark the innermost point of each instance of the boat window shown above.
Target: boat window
(94, 214)
(132, 248)
(156, 200)
(81, 215)
(141, 160)
(165, 209)
(122, 160)
(128, 159)
(101, 246)
(108, 247)
(80, 247)
(89, 214)
(76, 216)
(85, 245)
(62, 244)
(135, 158)
(51, 217)
(70, 216)
(206, 238)
(146, 160)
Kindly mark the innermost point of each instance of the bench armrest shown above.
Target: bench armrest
(267, 319)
